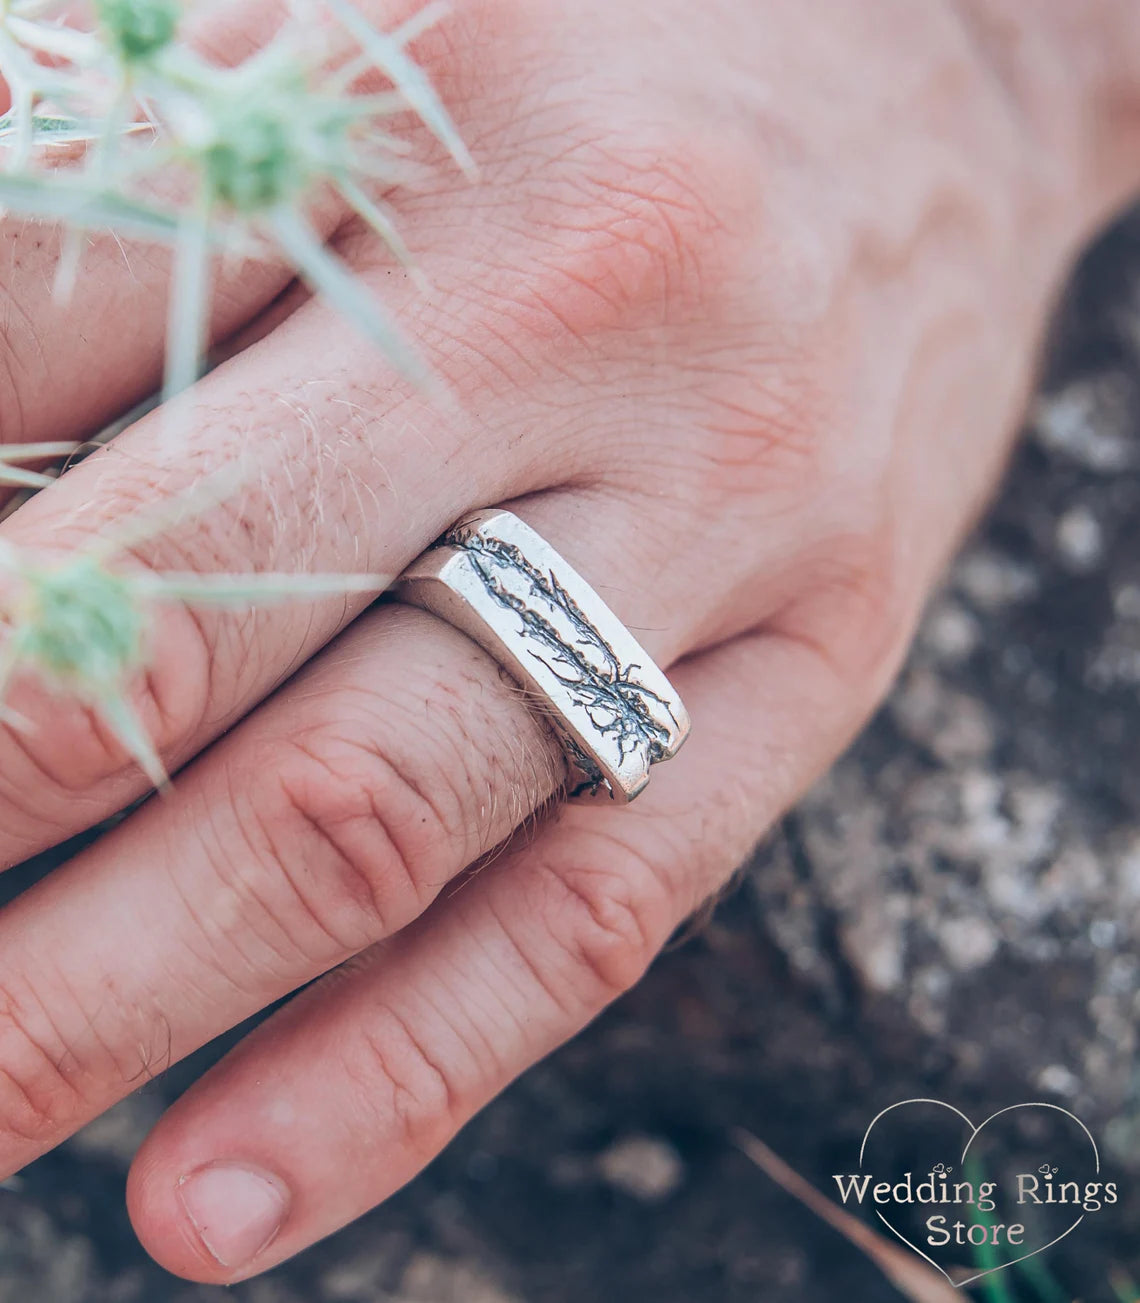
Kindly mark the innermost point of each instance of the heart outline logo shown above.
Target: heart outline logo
(974, 1132)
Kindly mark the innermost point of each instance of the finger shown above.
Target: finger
(327, 821)
(344, 1095)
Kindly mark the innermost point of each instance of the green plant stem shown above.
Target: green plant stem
(186, 326)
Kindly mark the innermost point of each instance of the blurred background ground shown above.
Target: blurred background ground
(952, 912)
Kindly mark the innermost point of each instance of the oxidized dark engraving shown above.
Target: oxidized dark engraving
(618, 706)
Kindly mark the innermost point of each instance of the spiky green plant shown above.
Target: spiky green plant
(81, 624)
(252, 143)
(98, 116)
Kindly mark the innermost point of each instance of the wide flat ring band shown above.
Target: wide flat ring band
(502, 584)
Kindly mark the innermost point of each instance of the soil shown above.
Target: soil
(951, 913)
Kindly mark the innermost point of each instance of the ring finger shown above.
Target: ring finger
(326, 822)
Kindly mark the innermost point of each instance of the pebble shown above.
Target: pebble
(1090, 422)
(968, 942)
(1080, 539)
(993, 580)
(1056, 1079)
(648, 1168)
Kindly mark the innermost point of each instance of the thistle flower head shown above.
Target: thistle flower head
(259, 136)
(138, 29)
(79, 624)
(252, 152)
(255, 140)
(82, 627)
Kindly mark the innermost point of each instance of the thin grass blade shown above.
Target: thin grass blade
(15, 477)
(11, 557)
(8, 716)
(14, 720)
(24, 127)
(420, 22)
(67, 43)
(1047, 1287)
(152, 521)
(56, 128)
(71, 251)
(908, 1274)
(995, 1288)
(19, 477)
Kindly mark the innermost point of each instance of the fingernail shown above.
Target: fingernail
(235, 1210)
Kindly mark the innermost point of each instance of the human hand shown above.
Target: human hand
(739, 318)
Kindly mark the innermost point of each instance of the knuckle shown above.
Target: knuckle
(37, 1096)
(610, 910)
(634, 230)
(411, 1094)
(158, 667)
(73, 747)
(352, 844)
(52, 1079)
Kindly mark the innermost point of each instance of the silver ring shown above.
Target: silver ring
(502, 584)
